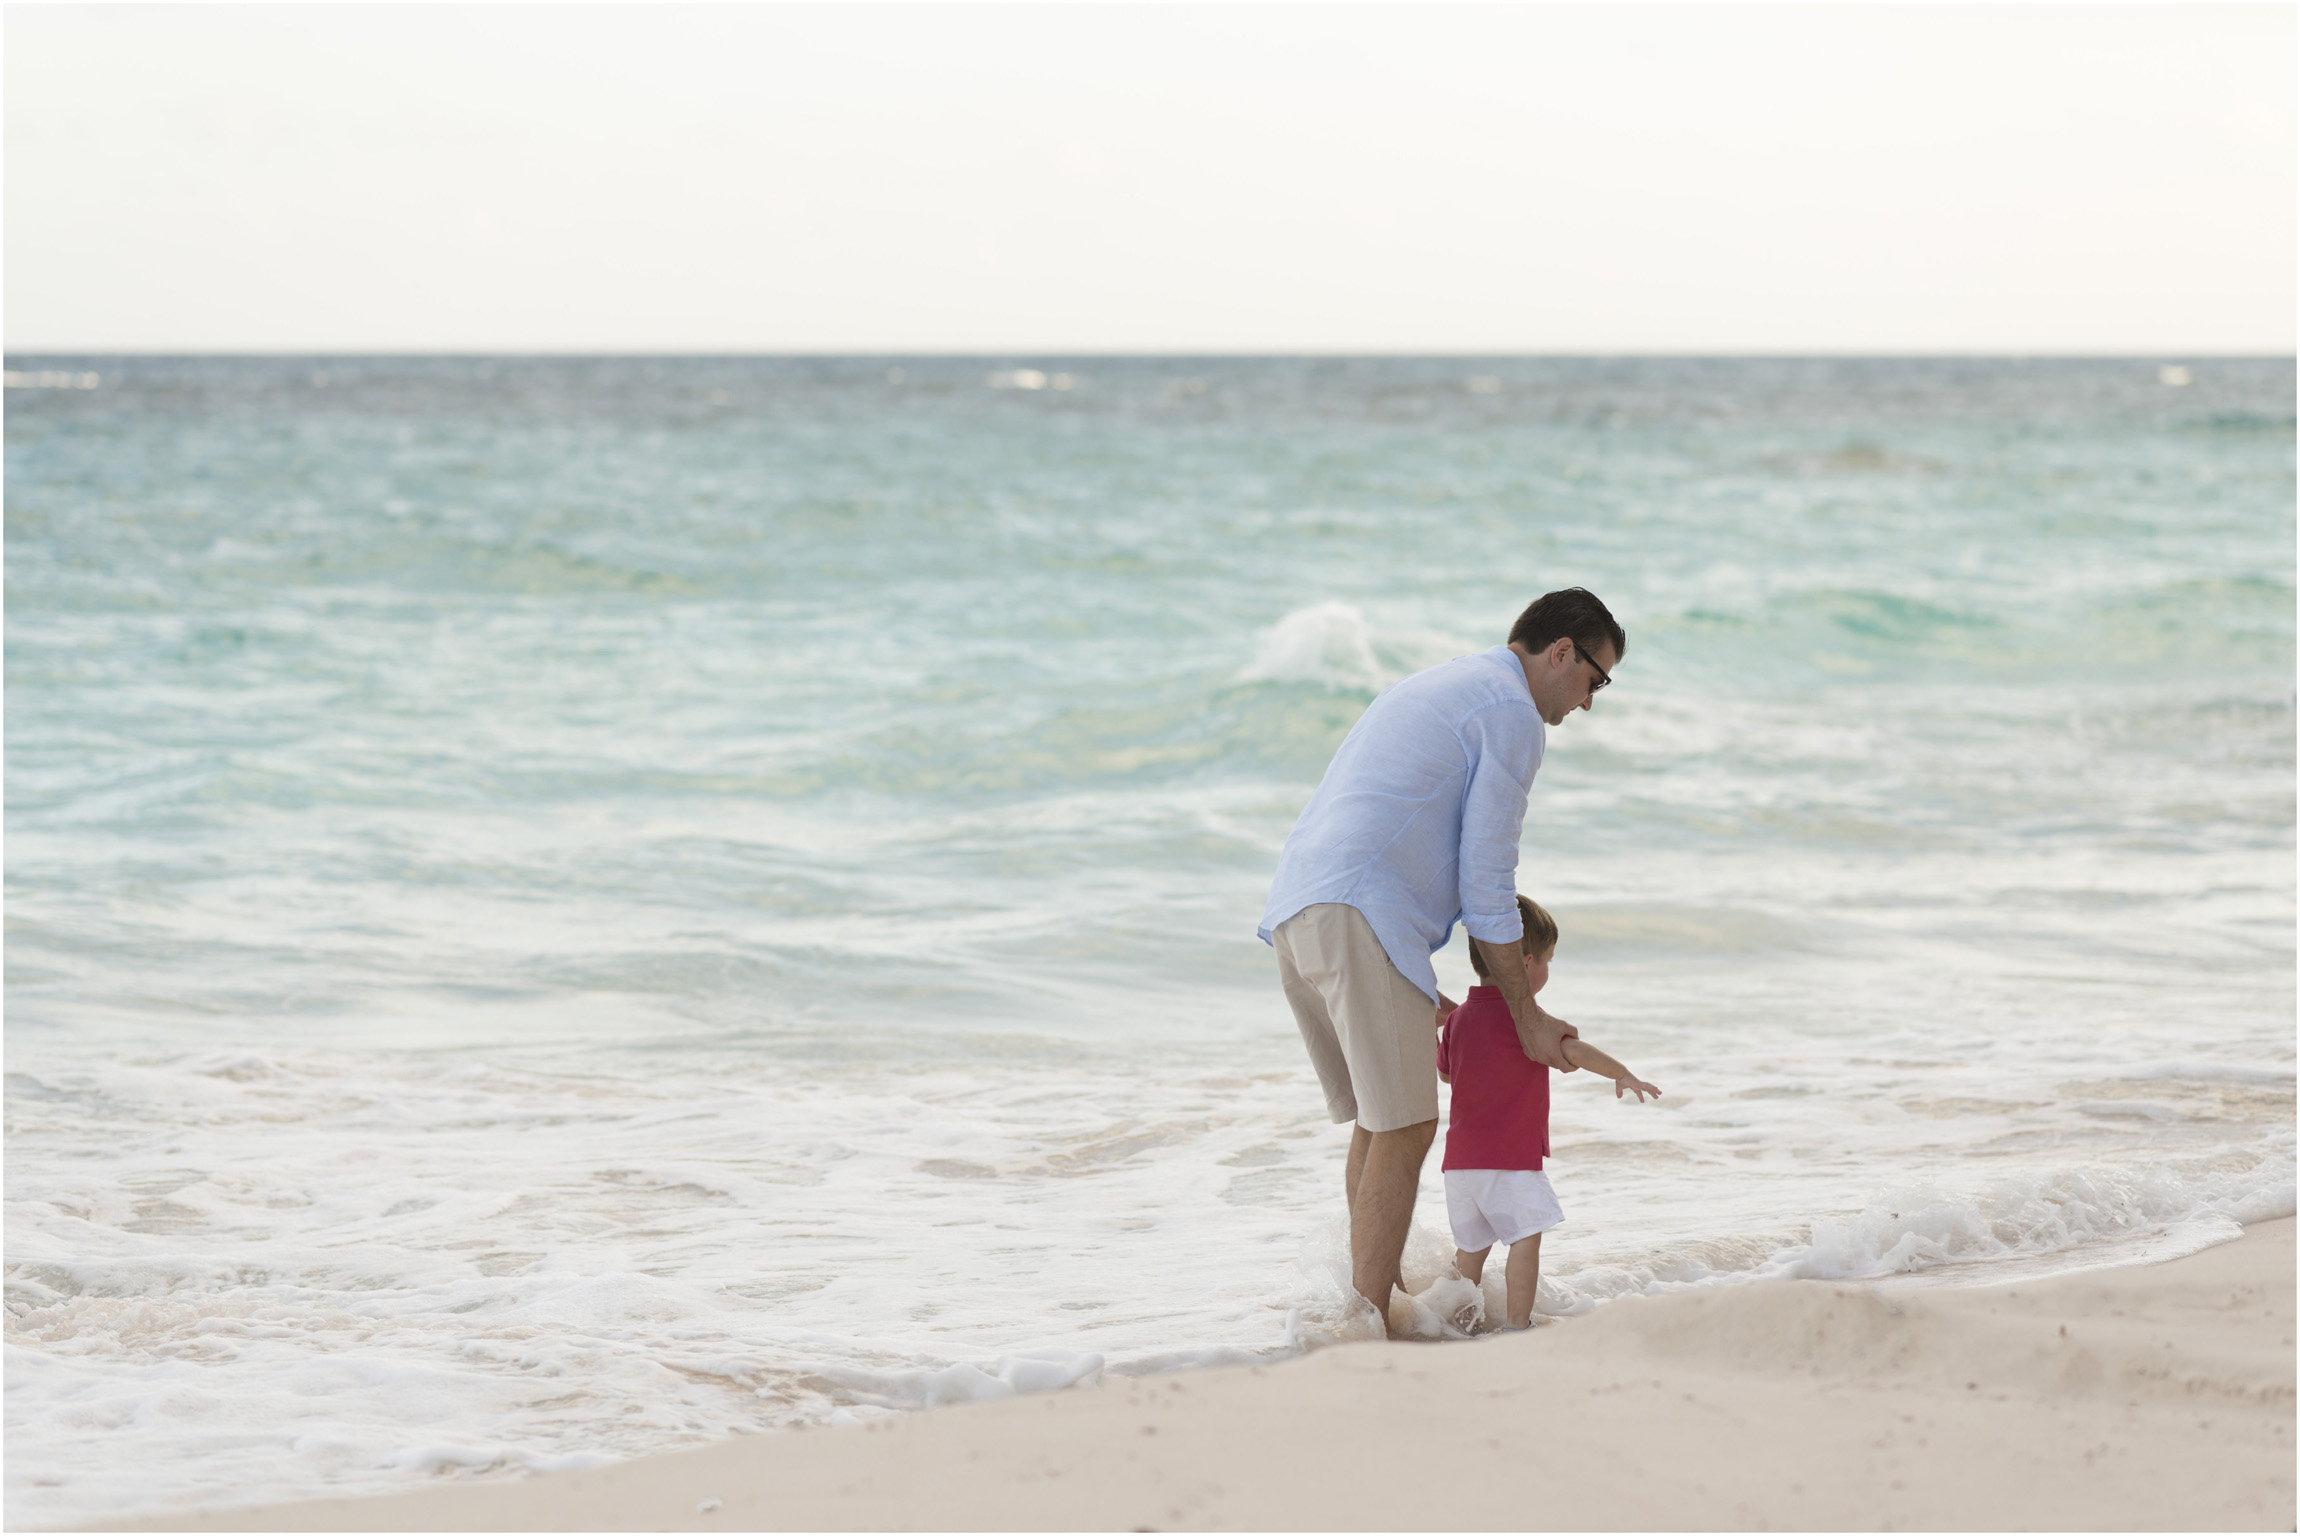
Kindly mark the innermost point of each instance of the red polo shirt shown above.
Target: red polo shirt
(1500, 1099)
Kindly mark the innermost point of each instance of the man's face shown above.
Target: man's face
(1569, 678)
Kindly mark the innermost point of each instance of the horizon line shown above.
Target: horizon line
(1218, 354)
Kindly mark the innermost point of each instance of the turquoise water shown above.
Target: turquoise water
(564, 907)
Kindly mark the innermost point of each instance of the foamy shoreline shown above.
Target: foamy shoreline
(2157, 1397)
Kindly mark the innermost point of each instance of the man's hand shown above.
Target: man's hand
(1543, 1037)
(1445, 1008)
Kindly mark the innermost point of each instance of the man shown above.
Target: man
(1414, 827)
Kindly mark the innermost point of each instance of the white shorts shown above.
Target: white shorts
(1498, 1205)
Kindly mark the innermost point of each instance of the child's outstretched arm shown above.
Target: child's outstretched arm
(1590, 1059)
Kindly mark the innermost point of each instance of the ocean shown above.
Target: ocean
(564, 908)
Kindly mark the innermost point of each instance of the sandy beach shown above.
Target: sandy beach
(748, 751)
(2158, 1397)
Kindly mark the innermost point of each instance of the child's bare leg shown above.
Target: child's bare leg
(1524, 1276)
(1470, 1266)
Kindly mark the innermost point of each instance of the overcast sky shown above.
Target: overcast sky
(1051, 179)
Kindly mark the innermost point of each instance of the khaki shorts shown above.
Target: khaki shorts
(1372, 1034)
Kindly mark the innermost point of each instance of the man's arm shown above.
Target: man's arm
(1540, 1034)
(1445, 1008)
(1503, 746)
(1624, 1080)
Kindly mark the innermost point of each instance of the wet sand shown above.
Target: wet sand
(2153, 1398)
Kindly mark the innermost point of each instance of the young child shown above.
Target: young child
(1495, 1191)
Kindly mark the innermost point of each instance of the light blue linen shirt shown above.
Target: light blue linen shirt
(1416, 822)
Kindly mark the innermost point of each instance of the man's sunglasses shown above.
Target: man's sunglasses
(1602, 679)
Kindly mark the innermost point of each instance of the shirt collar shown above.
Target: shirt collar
(1506, 657)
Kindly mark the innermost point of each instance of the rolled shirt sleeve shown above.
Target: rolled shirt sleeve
(1503, 755)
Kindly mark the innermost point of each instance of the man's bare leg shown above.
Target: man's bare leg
(1355, 1168)
(1524, 1277)
(1382, 1207)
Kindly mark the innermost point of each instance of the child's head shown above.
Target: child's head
(1539, 943)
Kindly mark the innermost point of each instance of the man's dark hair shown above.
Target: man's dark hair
(1574, 614)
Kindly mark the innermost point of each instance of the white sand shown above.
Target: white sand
(2151, 1398)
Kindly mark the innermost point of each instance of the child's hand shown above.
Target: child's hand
(1630, 1082)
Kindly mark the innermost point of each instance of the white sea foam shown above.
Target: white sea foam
(2074, 1218)
(278, 1270)
(1035, 1371)
(1332, 645)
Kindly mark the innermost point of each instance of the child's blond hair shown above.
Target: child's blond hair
(1540, 936)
